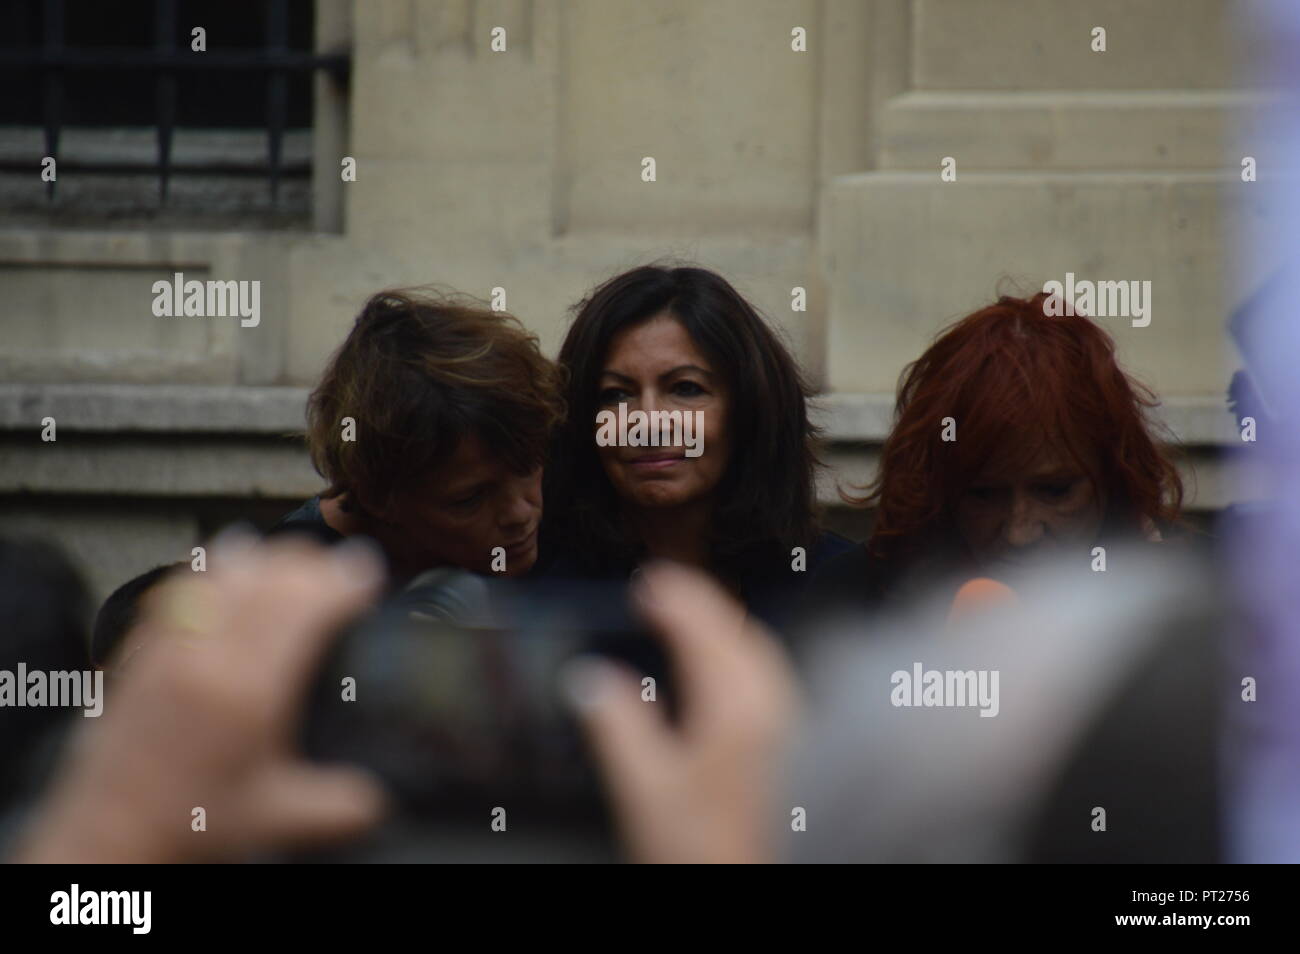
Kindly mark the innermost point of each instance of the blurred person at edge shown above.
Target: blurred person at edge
(1017, 437)
(429, 426)
(45, 606)
(205, 714)
(1264, 536)
(683, 339)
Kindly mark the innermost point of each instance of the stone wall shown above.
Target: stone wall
(522, 169)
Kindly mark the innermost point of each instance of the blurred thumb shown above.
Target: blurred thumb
(630, 738)
(304, 803)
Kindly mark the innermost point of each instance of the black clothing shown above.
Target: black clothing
(307, 518)
(858, 582)
(770, 587)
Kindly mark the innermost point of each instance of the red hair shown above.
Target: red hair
(1013, 378)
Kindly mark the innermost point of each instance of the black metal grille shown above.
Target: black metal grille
(53, 61)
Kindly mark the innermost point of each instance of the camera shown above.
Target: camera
(450, 692)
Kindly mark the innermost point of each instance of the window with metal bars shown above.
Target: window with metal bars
(143, 127)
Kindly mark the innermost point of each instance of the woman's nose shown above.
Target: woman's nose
(1024, 526)
(651, 400)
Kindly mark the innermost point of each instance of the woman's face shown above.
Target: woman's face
(471, 506)
(655, 366)
(1011, 517)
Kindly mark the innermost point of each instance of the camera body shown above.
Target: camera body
(450, 693)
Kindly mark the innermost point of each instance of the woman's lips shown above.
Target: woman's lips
(656, 462)
(523, 544)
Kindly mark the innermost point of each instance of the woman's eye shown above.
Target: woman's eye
(467, 503)
(983, 493)
(688, 389)
(612, 395)
(1055, 490)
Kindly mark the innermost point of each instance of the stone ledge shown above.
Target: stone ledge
(140, 466)
(161, 408)
(1089, 130)
(1195, 420)
(176, 408)
(1074, 179)
(1211, 479)
(114, 468)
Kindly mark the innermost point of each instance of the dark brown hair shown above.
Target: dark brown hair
(766, 497)
(418, 372)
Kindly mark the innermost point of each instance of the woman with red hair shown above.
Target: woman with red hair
(1017, 436)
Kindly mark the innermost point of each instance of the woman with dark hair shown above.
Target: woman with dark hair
(1017, 436)
(739, 502)
(430, 426)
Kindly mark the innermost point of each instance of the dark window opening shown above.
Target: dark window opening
(115, 91)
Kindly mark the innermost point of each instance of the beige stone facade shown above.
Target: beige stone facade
(522, 170)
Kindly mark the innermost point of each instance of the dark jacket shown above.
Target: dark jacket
(308, 519)
(770, 587)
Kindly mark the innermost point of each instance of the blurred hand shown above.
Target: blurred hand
(702, 791)
(204, 716)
